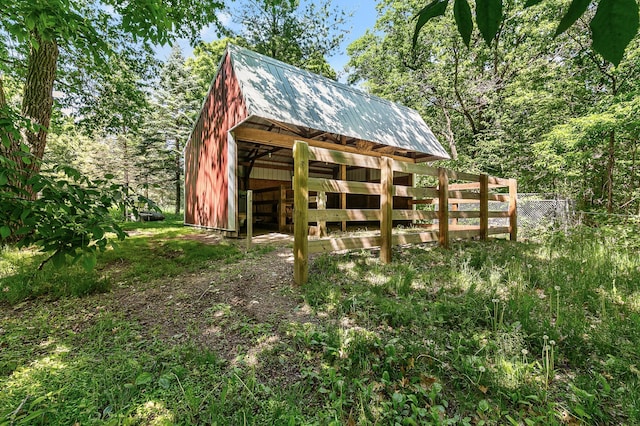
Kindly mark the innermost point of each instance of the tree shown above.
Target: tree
(463, 91)
(506, 107)
(204, 62)
(297, 35)
(177, 109)
(116, 111)
(43, 30)
(613, 26)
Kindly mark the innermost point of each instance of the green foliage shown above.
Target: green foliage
(62, 212)
(495, 333)
(464, 21)
(613, 27)
(300, 34)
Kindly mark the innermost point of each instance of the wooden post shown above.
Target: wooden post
(484, 206)
(282, 209)
(322, 205)
(249, 218)
(300, 212)
(443, 207)
(343, 196)
(454, 208)
(513, 210)
(386, 209)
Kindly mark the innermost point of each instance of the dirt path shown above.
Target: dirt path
(214, 308)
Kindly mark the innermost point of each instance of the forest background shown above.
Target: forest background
(547, 110)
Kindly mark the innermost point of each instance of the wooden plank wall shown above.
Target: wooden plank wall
(465, 188)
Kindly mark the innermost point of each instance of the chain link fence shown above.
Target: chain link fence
(536, 212)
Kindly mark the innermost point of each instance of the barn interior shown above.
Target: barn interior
(265, 166)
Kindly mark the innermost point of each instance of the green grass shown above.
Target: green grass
(153, 250)
(483, 333)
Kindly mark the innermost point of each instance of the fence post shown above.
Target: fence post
(386, 209)
(322, 204)
(484, 206)
(249, 218)
(443, 207)
(513, 210)
(300, 212)
(343, 196)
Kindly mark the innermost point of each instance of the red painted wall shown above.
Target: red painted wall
(206, 156)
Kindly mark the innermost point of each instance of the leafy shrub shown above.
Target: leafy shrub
(57, 209)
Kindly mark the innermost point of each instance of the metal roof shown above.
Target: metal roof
(277, 91)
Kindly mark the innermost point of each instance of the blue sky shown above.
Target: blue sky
(364, 17)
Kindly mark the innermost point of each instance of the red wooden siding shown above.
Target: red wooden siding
(207, 162)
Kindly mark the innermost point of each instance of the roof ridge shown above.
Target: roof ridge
(237, 49)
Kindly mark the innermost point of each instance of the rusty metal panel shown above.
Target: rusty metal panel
(207, 155)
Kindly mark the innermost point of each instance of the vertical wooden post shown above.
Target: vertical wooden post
(343, 196)
(282, 209)
(300, 212)
(454, 208)
(249, 218)
(322, 204)
(484, 206)
(443, 207)
(386, 209)
(513, 210)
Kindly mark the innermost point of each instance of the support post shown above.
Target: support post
(386, 209)
(249, 218)
(322, 205)
(513, 210)
(454, 208)
(300, 212)
(443, 207)
(484, 206)
(343, 196)
(282, 209)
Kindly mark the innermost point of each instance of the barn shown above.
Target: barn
(243, 139)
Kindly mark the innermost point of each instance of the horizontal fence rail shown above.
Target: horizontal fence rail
(442, 202)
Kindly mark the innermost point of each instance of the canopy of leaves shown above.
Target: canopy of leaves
(613, 26)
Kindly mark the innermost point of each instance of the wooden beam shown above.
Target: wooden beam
(484, 206)
(414, 168)
(343, 195)
(513, 210)
(346, 158)
(353, 215)
(344, 186)
(300, 211)
(443, 207)
(322, 205)
(386, 209)
(249, 218)
(248, 134)
(409, 191)
(282, 209)
(453, 175)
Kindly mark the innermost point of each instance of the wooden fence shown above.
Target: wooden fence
(468, 188)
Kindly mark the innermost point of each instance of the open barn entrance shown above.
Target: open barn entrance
(266, 168)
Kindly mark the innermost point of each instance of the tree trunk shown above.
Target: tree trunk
(11, 150)
(450, 136)
(37, 101)
(610, 163)
(178, 186)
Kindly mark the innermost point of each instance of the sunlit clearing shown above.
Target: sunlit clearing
(633, 301)
(154, 413)
(30, 378)
(265, 344)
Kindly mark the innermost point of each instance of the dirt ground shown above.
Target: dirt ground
(207, 307)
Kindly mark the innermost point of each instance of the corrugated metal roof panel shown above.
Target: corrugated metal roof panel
(281, 92)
